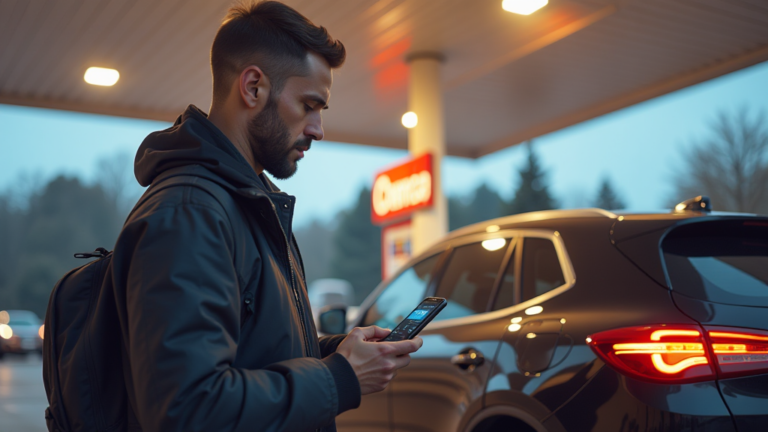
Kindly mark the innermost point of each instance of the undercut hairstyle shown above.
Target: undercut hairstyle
(273, 37)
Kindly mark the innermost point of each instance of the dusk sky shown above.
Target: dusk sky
(638, 148)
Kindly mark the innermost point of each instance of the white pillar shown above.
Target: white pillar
(426, 100)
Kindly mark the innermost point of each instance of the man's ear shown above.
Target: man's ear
(254, 88)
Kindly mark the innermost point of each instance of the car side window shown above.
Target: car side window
(402, 295)
(506, 294)
(541, 268)
(469, 277)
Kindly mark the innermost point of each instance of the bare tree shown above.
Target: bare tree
(730, 166)
(115, 176)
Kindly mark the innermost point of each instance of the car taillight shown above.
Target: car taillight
(739, 351)
(680, 353)
(658, 353)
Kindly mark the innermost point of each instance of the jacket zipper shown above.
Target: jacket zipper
(307, 348)
(249, 309)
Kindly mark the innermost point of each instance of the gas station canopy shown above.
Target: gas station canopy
(506, 78)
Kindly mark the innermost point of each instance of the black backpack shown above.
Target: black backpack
(82, 344)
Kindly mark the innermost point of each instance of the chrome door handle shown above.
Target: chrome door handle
(471, 358)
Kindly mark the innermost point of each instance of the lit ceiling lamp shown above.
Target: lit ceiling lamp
(523, 7)
(101, 76)
(410, 119)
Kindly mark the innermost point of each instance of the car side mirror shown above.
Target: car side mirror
(333, 319)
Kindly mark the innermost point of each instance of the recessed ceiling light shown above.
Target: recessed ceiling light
(410, 119)
(101, 76)
(523, 7)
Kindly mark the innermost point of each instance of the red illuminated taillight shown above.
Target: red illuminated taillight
(680, 353)
(739, 351)
(657, 353)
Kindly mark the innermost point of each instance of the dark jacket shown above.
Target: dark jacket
(212, 302)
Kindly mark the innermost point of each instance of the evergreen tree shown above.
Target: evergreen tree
(458, 213)
(532, 193)
(485, 204)
(357, 248)
(607, 198)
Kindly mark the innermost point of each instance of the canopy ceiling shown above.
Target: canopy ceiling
(506, 77)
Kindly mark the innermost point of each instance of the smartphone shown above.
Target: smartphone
(417, 320)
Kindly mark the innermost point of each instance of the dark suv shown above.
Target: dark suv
(583, 320)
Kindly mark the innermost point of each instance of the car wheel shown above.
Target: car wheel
(503, 423)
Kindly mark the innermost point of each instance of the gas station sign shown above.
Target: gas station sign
(399, 191)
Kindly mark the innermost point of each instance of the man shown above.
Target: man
(208, 278)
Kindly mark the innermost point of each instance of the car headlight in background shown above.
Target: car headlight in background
(5, 331)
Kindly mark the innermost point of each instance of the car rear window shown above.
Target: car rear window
(722, 261)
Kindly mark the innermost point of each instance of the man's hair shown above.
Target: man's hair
(273, 37)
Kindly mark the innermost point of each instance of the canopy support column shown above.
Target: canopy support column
(428, 136)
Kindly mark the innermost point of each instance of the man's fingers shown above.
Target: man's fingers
(402, 361)
(370, 332)
(380, 333)
(406, 346)
(419, 341)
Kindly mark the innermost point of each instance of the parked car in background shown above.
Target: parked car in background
(332, 293)
(583, 320)
(21, 332)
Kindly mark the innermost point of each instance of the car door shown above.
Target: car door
(446, 378)
(536, 347)
(392, 302)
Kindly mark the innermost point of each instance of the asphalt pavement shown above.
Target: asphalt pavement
(22, 395)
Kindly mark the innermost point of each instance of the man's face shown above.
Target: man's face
(281, 133)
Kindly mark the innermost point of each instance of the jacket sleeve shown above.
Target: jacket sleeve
(181, 317)
(328, 344)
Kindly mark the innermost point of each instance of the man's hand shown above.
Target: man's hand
(375, 363)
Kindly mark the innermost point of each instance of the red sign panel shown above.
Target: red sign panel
(399, 191)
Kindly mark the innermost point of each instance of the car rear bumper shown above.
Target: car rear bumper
(613, 402)
(747, 398)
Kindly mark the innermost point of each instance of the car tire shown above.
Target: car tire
(502, 417)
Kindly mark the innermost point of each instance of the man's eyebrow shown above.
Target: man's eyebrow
(318, 100)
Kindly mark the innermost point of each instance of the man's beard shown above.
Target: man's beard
(270, 142)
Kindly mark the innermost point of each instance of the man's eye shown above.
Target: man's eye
(307, 108)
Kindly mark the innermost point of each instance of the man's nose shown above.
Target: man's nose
(315, 130)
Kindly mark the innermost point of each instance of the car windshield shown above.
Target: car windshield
(723, 262)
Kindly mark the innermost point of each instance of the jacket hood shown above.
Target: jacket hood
(193, 140)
